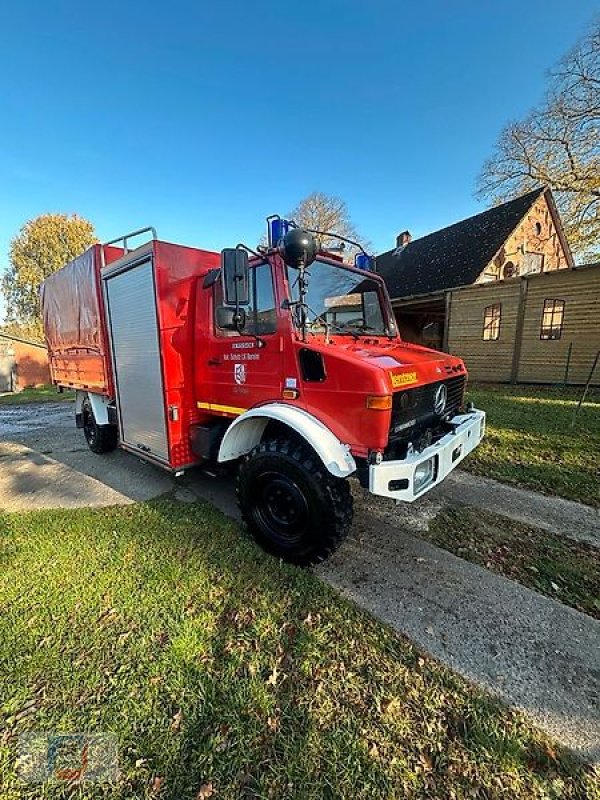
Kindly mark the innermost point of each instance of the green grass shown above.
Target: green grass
(216, 665)
(562, 569)
(530, 443)
(40, 394)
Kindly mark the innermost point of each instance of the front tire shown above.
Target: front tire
(293, 507)
(100, 438)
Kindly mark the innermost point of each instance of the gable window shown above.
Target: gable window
(533, 263)
(491, 322)
(552, 319)
(509, 270)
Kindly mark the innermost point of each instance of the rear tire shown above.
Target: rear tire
(100, 438)
(293, 507)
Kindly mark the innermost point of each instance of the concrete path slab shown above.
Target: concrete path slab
(46, 463)
(30, 481)
(554, 514)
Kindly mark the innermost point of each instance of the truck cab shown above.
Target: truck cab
(305, 348)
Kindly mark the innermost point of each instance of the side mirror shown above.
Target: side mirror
(234, 268)
(230, 319)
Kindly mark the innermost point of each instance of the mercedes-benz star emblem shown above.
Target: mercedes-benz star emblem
(439, 399)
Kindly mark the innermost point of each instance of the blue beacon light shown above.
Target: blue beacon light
(363, 261)
(276, 229)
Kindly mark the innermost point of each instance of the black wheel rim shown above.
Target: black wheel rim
(89, 427)
(281, 509)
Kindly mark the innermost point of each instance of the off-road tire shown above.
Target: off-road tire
(293, 507)
(100, 438)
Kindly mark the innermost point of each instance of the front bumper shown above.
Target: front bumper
(396, 479)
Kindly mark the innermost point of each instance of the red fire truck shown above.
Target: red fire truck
(284, 362)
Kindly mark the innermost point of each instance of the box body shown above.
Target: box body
(150, 307)
(122, 325)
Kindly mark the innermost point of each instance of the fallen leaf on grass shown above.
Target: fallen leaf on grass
(391, 705)
(426, 762)
(272, 679)
(157, 784)
(311, 620)
(107, 616)
(205, 791)
(6, 736)
(176, 722)
(273, 723)
(28, 708)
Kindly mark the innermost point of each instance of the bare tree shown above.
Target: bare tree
(558, 144)
(324, 212)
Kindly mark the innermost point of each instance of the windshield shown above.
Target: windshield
(346, 301)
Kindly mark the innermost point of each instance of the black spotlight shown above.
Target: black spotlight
(298, 248)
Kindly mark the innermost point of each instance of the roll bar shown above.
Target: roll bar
(125, 239)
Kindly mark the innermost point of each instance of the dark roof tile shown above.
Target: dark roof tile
(454, 256)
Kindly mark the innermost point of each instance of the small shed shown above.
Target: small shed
(22, 363)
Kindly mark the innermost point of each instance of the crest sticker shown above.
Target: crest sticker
(239, 373)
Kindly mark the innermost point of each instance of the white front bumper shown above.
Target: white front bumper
(447, 453)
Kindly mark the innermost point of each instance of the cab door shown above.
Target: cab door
(244, 368)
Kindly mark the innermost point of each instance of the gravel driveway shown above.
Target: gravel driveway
(535, 653)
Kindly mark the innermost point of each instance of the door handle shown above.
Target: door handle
(214, 362)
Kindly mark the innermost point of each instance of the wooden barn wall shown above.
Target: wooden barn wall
(526, 358)
(491, 360)
(544, 361)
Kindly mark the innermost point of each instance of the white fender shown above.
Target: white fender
(98, 402)
(246, 431)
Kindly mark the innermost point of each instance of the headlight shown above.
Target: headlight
(423, 474)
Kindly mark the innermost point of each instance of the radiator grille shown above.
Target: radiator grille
(412, 410)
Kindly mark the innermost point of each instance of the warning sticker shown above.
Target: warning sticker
(403, 379)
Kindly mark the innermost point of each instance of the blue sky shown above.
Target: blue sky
(202, 118)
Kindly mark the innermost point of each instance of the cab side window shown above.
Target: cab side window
(261, 313)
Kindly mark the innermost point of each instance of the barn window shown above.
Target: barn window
(491, 322)
(538, 228)
(552, 319)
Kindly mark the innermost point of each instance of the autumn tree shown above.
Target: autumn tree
(42, 246)
(558, 144)
(324, 212)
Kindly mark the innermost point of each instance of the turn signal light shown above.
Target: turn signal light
(291, 394)
(379, 403)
